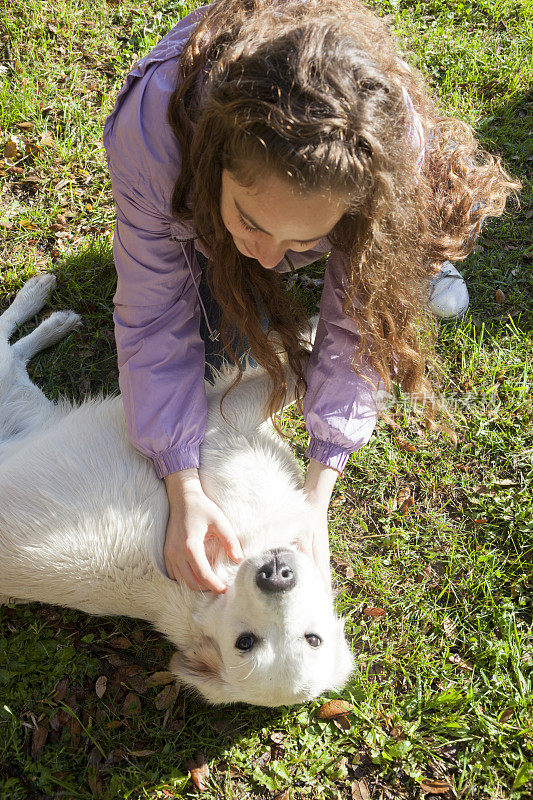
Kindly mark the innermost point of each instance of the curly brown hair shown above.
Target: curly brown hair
(314, 92)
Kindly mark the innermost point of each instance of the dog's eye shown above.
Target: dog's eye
(245, 642)
(313, 639)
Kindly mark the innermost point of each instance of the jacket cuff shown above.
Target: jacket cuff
(331, 455)
(175, 459)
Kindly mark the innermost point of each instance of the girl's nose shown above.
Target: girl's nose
(269, 258)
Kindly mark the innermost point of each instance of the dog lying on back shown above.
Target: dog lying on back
(83, 519)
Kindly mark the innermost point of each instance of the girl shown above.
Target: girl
(258, 136)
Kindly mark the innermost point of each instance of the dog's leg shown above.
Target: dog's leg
(28, 302)
(51, 330)
(23, 407)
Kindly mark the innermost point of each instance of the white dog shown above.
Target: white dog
(83, 519)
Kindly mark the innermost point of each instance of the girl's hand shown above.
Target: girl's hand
(193, 517)
(318, 486)
(316, 543)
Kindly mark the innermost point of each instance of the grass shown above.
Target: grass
(442, 687)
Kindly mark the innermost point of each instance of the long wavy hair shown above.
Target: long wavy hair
(316, 93)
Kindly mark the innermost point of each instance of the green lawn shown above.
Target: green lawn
(443, 683)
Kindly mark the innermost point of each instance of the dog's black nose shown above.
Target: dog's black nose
(278, 574)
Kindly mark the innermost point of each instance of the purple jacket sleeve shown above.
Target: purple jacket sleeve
(160, 351)
(340, 406)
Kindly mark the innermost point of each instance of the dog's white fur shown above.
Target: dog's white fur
(83, 519)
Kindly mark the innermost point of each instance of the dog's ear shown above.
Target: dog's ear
(201, 666)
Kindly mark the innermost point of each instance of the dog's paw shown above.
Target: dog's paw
(33, 296)
(61, 323)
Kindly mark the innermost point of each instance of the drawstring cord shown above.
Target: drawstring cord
(213, 335)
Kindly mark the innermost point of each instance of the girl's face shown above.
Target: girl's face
(270, 217)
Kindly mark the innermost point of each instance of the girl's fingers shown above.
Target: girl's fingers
(228, 539)
(191, 579)
(203, 572)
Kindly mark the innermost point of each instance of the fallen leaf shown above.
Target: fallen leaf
(461, 662)
(342, 722)
(121, 642)
(374, 612)
(167, 697)
(75, 729)
(95, 784)
(506, 715)
(10, 150)
(199, 770)
(403, 495)
(141, 753)
(160, 679)
(38, 739)
(333, 709)
(499, 296)
(61, 690)
(25, 126)
(282, 796)
(435, 787)
(137, 683)
(407, 504)
(404, 445)
(350, 573)
(132, 705)
(46, 140)
(360, 790)
(101, 686)
(450, 628)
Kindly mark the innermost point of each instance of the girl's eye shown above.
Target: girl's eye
(313, 639)
(245, 642)
(246, 226)
(251, 229)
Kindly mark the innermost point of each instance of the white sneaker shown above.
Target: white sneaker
(448, 295)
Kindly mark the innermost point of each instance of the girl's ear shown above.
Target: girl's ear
(201, 668)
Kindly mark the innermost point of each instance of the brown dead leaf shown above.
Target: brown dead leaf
(75, 729)
(132, 705)
(407, 505)
(25, 126)
(404, 445)
(450, 628)
(403, 495)
(435, 787)
(138, 684)
(46, 140)
(333, 709)
(160, 679)
(374, 612)
(39, 737)
(499, 296)
(141, 753)
(342, 722)
(167, 697)
(461, 662)
(61, 691)
(506, 715)
(199, 770)
(10, 149)
(360, 790)
(282, 795)
(101, 686)
(350, 573)
(120, 642)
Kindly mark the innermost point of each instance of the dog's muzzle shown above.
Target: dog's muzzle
(278, 574)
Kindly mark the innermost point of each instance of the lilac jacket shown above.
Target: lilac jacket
(157, 307)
